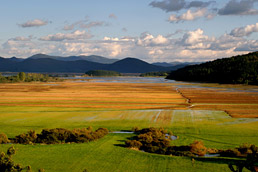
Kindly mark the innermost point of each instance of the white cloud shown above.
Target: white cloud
(76, 35)
(156, 52)
(110, 39)
(191, 46)
(250, 45)
(193, 38)
(244, 31)
(34, 23)
(147, 39)
(188, 16)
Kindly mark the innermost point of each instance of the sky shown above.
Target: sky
(151, 30)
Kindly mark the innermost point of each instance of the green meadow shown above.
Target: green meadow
(214, 127)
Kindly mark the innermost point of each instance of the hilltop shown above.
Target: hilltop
(241, 69)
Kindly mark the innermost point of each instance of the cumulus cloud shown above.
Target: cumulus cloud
(195, 37)
(76, 35)
(242, 7)
(110, 39)
(250, 45)
(177, 5)
(188, 16)
(147, 39)
(192, 45)
(244, 31)
(34, 23)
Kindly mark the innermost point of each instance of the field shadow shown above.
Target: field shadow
(219, 160)
(210, 140)
(120, 144)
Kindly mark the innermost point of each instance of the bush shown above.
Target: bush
(4, 139)
(230, 153)
(26, 138)
(133, 144)
(61, 135)
(152, 140)
(197, 148)
(7, 164)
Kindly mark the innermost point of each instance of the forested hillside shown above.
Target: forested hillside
(242, 69)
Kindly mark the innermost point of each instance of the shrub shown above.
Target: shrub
(4, 139)
(61, 135)
(198, 148)
(133, 144)
(230, 153)
(26, 138)
(7, 164)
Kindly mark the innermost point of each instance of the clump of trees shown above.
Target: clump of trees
(4, 139)
(241, 69)
(242, 151)
(251, 162)
(158, 140)
(7, 164)
(61, 135)
(28, 77)
(102, 73)
(155, 74)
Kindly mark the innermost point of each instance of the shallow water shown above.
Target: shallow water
(122, 79)
(178, 84)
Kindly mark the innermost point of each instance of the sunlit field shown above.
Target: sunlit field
(213, 115)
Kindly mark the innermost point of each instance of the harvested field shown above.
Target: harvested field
(91, 95)
(238, 104)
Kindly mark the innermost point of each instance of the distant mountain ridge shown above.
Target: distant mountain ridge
(77, 64)
(91, 58)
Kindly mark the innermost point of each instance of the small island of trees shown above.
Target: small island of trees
(102, 73)
(28, 77)
(155, 74)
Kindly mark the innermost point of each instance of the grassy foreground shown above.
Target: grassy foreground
(116, 106)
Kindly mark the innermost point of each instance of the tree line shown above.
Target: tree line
(102, 73)
(242, 69)
(28, 77)
(56, 136)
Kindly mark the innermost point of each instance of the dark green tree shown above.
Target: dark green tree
(21, 76)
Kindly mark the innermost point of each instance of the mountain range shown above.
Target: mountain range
(79, 64)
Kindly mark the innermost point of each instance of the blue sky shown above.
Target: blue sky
(152, 30)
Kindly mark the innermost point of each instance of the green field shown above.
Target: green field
(214, 127)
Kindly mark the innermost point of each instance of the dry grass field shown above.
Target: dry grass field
(237, 103)
(92, 95)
